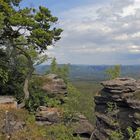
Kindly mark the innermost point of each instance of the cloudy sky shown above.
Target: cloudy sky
(95, 31)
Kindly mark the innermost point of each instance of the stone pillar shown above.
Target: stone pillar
(116, 107)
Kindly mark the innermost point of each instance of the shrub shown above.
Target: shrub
(60, 132)
(114, 72)
(116, 135)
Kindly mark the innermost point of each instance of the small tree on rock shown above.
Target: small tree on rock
(114, 72)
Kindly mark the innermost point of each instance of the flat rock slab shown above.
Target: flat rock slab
(8, 102)
(46, 115)
(121, 85)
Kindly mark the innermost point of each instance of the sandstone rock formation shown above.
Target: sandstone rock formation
(54, 85)
(80, 125)
(47, 115)
(116, 107)
(8, 102)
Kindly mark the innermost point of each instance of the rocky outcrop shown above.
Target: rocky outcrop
(54, 85)
(80, 125)
(117, 106)
(48, 116)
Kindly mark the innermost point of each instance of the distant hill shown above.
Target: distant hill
(93, 72)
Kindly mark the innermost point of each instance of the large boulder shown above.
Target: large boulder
(117, 106)
(47, 116)
(54, 85)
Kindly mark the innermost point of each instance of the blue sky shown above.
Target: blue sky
(60, 5)
(95, 31)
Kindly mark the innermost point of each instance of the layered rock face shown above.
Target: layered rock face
(116, 107)
(54, 85)
(81, 126)
(48, 116)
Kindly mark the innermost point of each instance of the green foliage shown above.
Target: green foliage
(39, 97)
(3, 76)
(116, 135)
(114, 72)
(72, 101)
(137, 134)
(25, 34)
(78, 102)
(130, 133)
(60, 132)
(36, 99)
(11, 78)
(83, 93)
(111, 108)
(53, 66)
(52, 102)
(62, 71)
(133, 135)
(30, 119)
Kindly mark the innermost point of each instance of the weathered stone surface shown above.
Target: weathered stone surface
(120, 85)
(135, 104)
(54, 85)
(124, 93)
(8, 102)
(100, 100)
(82, 127)
(97, 135)
(110, 122)
(47, 116)
(136, 118)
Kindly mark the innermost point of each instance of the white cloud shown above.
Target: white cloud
(134, 49)
(101, 29)
(136, 35)
(121, 37)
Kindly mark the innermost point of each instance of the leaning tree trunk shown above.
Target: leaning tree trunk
(26, 84)
(27, 79)
(26, 87)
